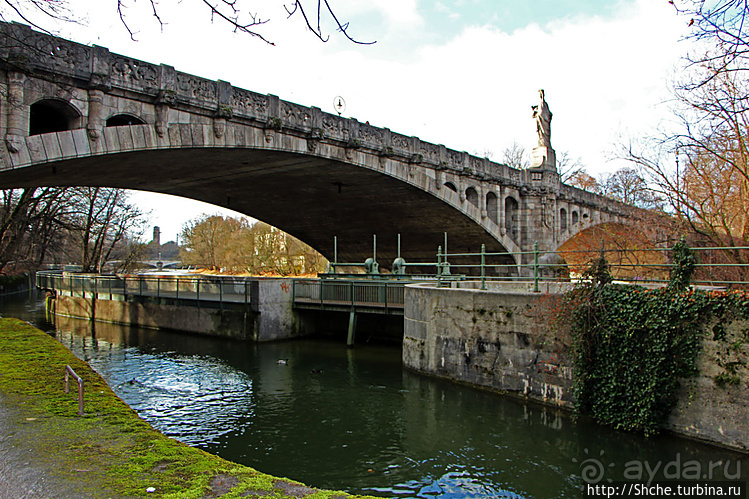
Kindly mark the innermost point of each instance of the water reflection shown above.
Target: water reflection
(355, 420)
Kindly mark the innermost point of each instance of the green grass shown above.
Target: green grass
(110, 451)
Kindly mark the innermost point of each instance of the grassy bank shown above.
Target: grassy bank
(110, 451)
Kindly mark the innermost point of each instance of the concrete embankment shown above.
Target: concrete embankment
(500, 339)
(267, 316)
(48, 451)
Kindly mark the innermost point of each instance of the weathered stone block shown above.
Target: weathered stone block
(51, 146)
(36, 149)
(110, 139)
(125, 137)
(67, 144)
(185, 135)
(81, 142)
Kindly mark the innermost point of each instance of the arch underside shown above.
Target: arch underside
(627, 248)
(311, 198)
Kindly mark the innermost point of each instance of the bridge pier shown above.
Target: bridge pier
(351, 337)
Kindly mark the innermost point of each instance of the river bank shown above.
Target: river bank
(49, 451)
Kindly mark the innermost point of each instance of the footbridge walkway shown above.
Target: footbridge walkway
(270, 304)
(332, 294)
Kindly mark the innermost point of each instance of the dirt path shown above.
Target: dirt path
(22, 473)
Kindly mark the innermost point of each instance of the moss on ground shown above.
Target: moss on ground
(110, 451)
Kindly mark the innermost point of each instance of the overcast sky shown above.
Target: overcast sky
(463, 73)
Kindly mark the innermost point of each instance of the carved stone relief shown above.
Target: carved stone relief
(134, 72)
(295, 114)
(401, 141)
(196, 88)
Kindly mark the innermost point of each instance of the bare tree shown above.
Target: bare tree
(236, 14)
(516, 156)
(84, 225)
(629, 186)
(568, 167)
(322, 7)
(585, 181)
(723, 24)
(31, 221)
(29, 10)
(104, 218)
(700, 167)
(234, 245)
(209, 240)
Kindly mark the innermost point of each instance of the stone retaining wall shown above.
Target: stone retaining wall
(498, 339)
(486, 338)
(151, 313)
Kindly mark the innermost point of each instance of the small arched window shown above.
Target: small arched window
(472, 196)
(451, 186)
(563, 219)
(575, 217)
(52, 115)
(124, 120)
(491, 207)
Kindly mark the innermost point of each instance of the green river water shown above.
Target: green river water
(356, 420)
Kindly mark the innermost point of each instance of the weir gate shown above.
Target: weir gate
(384, 296)
(242, 307)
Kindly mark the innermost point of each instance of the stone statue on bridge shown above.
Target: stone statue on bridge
(542, 115)
(543, 154)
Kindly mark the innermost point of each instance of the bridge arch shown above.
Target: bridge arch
(311, 197)
(621, 241)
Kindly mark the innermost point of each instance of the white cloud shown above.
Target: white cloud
(475, 91)
(399, 12)
(449, 12)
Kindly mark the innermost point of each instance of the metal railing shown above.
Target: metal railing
(358, 294)
(69, 372)
(716, 266)
(218, 289)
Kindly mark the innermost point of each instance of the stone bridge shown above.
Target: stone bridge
(73, 114)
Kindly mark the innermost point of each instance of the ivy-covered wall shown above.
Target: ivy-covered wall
(690, 376)
(714, 405)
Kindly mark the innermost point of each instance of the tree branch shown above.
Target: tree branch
(342, 27)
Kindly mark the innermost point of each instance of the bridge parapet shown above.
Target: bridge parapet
(98, 68)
